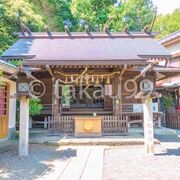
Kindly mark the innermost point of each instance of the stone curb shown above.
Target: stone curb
(92, 143)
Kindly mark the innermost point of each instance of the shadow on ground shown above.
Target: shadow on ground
(168, 138)
(170, 152)
(39, 161)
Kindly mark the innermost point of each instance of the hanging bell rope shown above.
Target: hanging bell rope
(72, 81)
(84, 73)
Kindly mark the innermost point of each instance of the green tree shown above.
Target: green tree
(167, 24)
(8, 20)
(94, 13)
(167, 102)
(135, 14)
(63, 14)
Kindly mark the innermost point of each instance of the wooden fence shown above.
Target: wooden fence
(111, 125)
(61, 124)
(173, 119)
(114, 125)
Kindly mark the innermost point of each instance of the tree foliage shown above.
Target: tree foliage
(135, 14)
(8, 20)
(35, 107)
(117, 14)
(168, 24)
(167, 102)
(92, 12)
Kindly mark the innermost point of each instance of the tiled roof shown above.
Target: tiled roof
(7, 64)
(84, 48)
(170, 37)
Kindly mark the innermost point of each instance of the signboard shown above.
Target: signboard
(138, 108)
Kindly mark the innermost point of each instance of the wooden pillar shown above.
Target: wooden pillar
(56, 99)
(120, 95)
(159, 110)
(148, 125)
(53, 89)
(24, 126)
(117, 100)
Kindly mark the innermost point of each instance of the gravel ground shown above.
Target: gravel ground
(120, 163)
(33, 166)
(130, 162)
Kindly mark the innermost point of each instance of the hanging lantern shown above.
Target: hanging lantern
(97, 81)
(102, 78)
(86, 81)
(108, 80)
(81, 79)
(66, 80)
(72, 79)
(77, 81)
(92, 79)
(86, 76)
(108, 90)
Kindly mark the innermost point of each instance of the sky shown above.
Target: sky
(166, 6)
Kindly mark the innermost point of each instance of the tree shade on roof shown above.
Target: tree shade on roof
(83, 48)
(7, 64)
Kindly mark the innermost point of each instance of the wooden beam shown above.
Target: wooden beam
(48, 31)
(86, 28)
(26, 28)
(143, 72)
(106, 28)
(50, 71)
(123, 71)
(126, 29)
(20, 24)
(167, 62)
(66, 28)
(147, 29)
(153, 20)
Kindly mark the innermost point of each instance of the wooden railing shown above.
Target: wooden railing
(111, 125)
(114, 125)
(61, 124)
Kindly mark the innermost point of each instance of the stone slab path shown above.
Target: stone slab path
(86, 163)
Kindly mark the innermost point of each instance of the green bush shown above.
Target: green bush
(167, 102)
(35, 106)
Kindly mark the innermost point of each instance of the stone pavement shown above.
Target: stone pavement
(7, 145)
(135, 136)
(86, 163)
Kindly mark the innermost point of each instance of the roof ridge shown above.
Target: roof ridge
(86, 35)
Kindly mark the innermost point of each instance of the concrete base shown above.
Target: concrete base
(104, 141)
(88, 135)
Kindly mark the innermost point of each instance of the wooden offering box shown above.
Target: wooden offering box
(88, 126)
